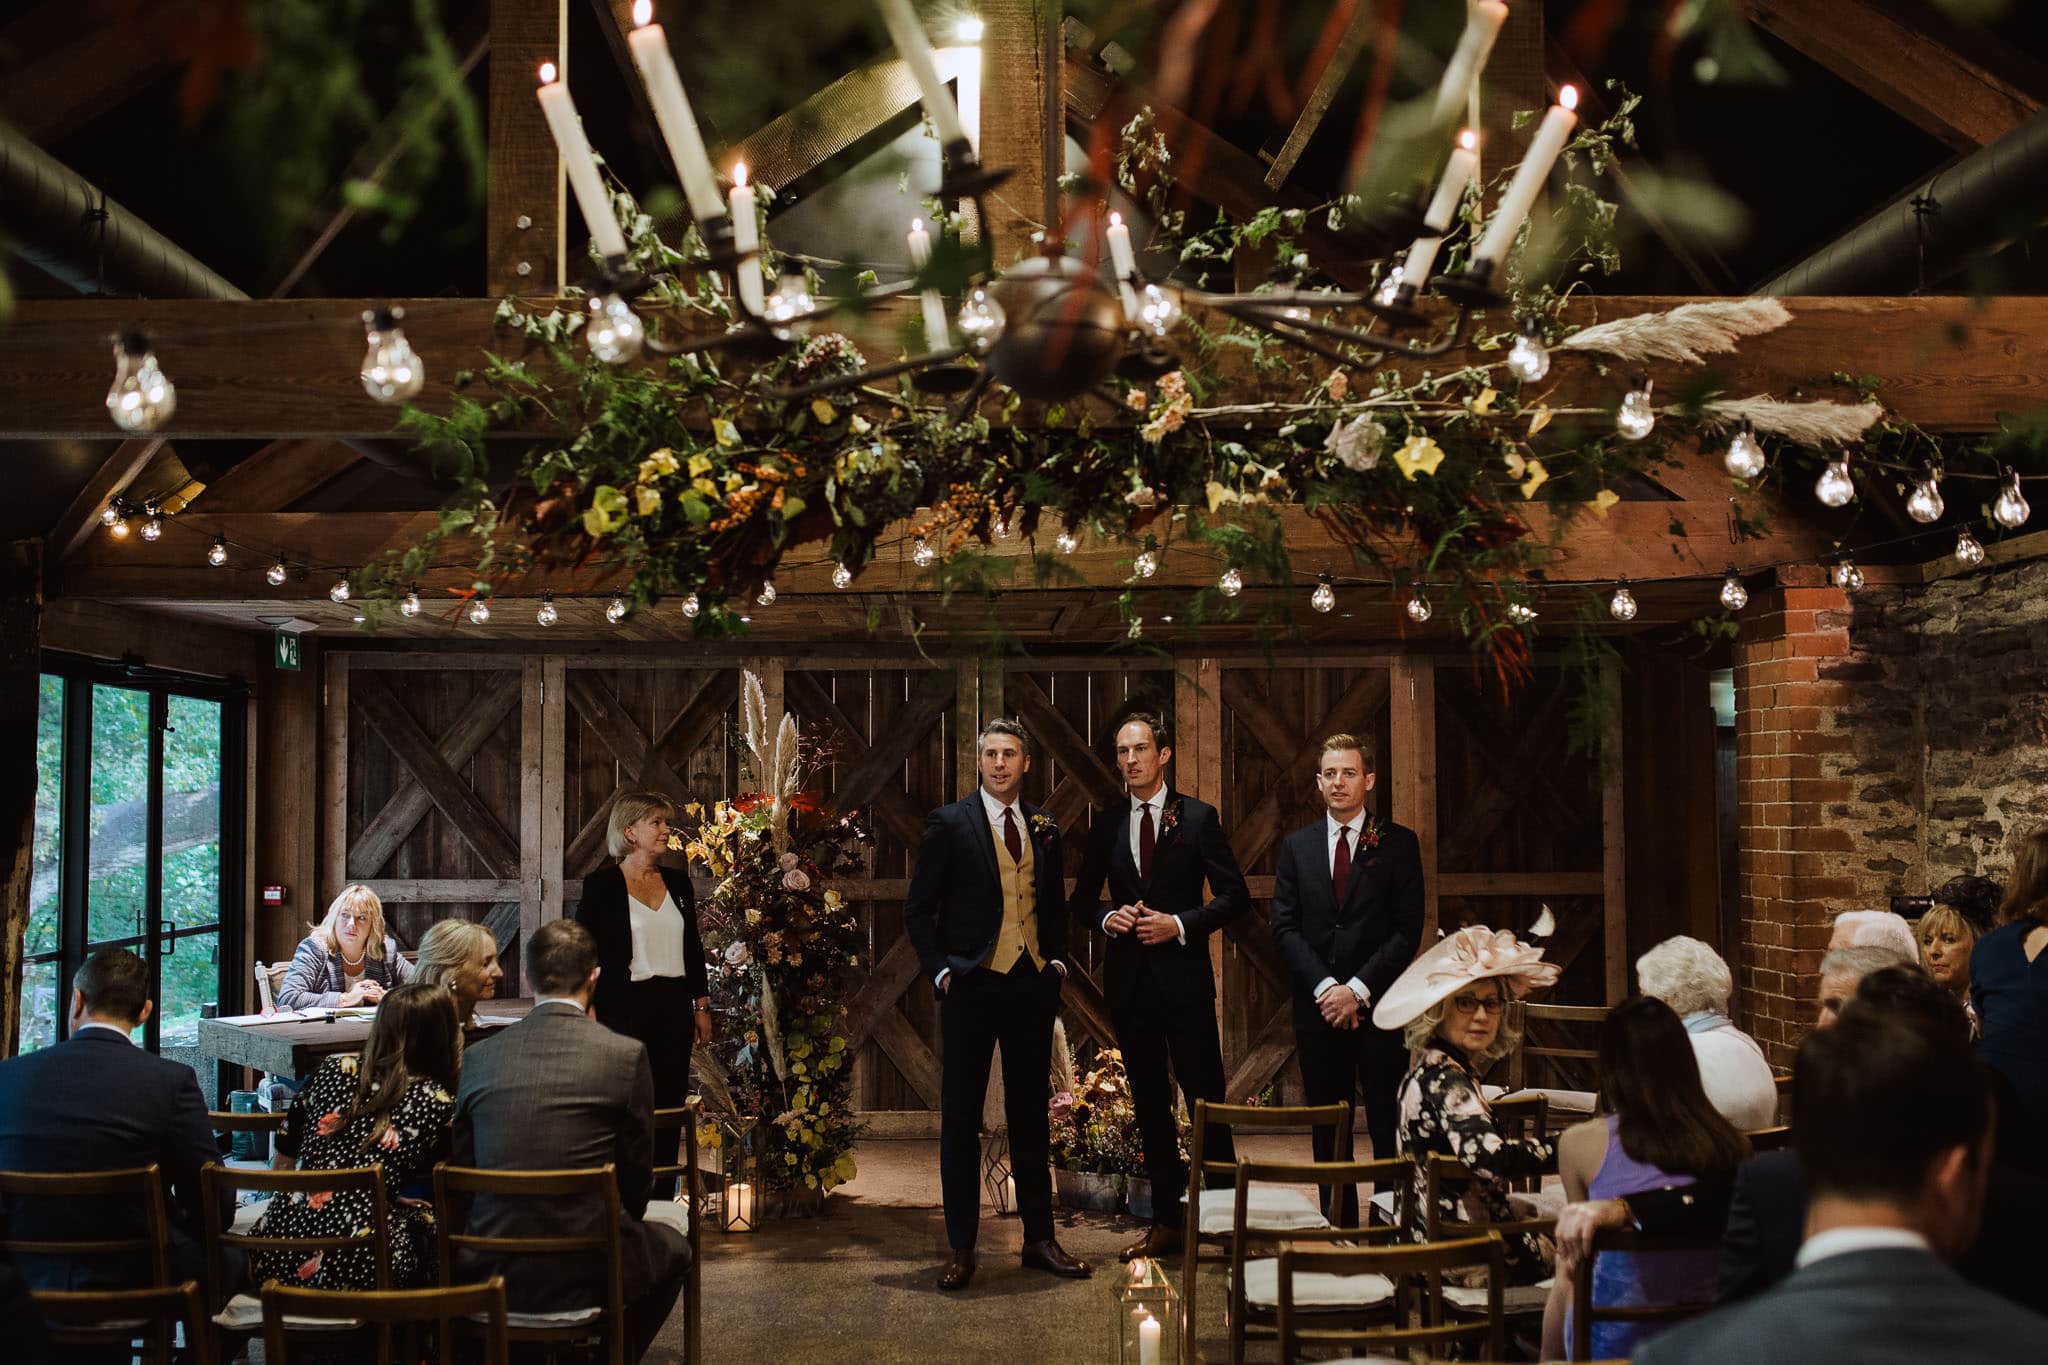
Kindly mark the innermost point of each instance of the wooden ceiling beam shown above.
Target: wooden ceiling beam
(1020, 126)
(526, 182)
(84, 68)
(277, 476)
(1914, 75)
(112, 479)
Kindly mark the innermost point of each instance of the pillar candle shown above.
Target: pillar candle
(746, 239)
(742, 1211)
(1468, 59)
(1450, 192)
(1148, 1340)
(1529, 177)
(1125, 263)
(577, 160)
(936, 332)
(908, 36)
(672, 111)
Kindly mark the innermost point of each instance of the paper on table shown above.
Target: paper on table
(276, 1017)
(491, 1020)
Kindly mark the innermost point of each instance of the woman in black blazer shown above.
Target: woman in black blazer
(651, 982)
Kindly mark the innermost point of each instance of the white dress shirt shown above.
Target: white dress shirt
(658, 938)
(120, 1033)
(995, 810)
(1330, 827)
(1842, 1241)
(1157, 802)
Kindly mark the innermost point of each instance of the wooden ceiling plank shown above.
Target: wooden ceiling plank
(277, 476)
(1357, 33)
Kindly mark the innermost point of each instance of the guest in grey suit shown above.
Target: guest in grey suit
(559, 1091)
(1893, 1125)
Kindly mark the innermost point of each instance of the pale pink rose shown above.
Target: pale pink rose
(796, 879)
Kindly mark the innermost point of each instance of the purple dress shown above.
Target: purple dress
(1627, 1279)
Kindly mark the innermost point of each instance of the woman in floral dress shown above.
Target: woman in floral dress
(1450, 1004)
(391, 1107)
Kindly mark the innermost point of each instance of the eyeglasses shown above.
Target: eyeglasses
(1472, 1004)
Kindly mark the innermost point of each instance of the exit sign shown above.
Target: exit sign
(285, 650)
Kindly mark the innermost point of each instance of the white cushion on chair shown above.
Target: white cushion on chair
(669, 1213)
(1514, 1298)
(1268, 1208)
(567, 1317)
(1383, 1205)
(1315, 1288)
(244, 1313)
(1582, 1102)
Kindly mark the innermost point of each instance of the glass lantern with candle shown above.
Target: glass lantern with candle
(732, 1182)
(1147, 1315)
(996, 1176)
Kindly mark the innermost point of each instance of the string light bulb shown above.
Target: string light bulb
(545, 614)
(141, 398)
(1066, 542)
(2011, 510)
(275, 574)
(1745, 456)
(152, 524)
(217, 555)
(1622, 606)
(1146, 564)
(1159, 312)
(409, 605)
(615, 610)
(1924, 503)
(1834, 487)
(1847, 576)
(616, 333)
(119, 527)
(691, 606)
(1733, 595)
(110, 514)
(980, 321)
(479, 611)
(1418, 608)
(341, 591)
(1521, 613)
(765, 597)
(842, 577)
(1231, 583)
(922, 554)
(1324, 598)
(1969, 553)
(788, 309)
(1634, 418)
(392, 372)
(1528, 360)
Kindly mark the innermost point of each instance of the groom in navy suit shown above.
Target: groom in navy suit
(1347, 916)
(1155, 851)
(987, 917)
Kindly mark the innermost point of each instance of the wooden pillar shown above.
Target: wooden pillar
(287, 795)
(1614, 844)
(21, 636)
(1022, 61)
(1198, 759)
(1411, 697)
(526, 214)
(333, 769)
(977, 698)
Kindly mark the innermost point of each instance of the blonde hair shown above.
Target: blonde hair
(1341, 741)
(1945, 919)
(363, 903)
(630, 809)
(447, 946)
(1420, 1031)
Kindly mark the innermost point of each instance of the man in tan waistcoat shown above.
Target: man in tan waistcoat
(987, 914)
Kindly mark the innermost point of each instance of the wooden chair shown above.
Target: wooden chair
(1770, 1139)
(455, 1186)
(269, 976)
(241, 1315)
(411, 1308)
(1280, 1211)
(142, 1186)
(1516, 1300)
(115, 1317)
(1568, 1106)
(686, 1169)
(261, 1121)
(1254, 1291)
(1523, 1116)
(1585, 1312)
(1416, 1272)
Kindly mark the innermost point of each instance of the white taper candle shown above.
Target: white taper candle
(911, 44)
(1450, 192)
(746, 238)
(673, 113)
(1468, 59)
(578, 161)
(1514, 206)
(1125, 263)
(936, 331)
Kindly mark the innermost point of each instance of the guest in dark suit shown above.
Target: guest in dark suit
(557, 1091)
(1892, 1122)
(653, 985)
(987, 917)
(97, 1102)
(1347, 916)
(1155, 853)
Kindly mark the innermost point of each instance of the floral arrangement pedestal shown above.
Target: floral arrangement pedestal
(1098, 1157)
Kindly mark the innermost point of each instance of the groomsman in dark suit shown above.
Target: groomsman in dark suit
(987, 917)
(1347, 916)
(1155, 851)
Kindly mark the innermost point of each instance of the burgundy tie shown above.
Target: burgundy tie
(1011, 839)
(1145, 843)
(1340, 866)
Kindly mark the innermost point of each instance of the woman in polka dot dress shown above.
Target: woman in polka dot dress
(391, 1107)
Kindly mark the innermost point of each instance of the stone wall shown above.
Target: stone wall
(1884, 745)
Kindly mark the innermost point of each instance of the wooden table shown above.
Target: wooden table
(297, 1047)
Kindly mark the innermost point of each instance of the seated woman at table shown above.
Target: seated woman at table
(348, 959)
(1449, 1004)
(463, 956)
(1660, 1131)
(391, 1107)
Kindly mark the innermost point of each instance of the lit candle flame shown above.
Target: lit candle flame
(643, 13)
(1116, 219)
(1568, 97)
(739, 174)
(917, 225)
(1469, 140)
(547, 73)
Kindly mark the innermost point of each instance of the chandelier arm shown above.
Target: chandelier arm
(1262, 317)
(972, 398)
(841, 382)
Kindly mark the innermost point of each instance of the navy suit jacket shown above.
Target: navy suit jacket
(98, 1102)
(954, 910)
(1766, 1224)
(1193, 851)
(1373, 935)
(1872, 1307)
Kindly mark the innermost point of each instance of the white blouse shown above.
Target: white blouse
(658, 938)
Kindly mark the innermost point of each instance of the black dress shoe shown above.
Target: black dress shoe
(1050, 1255)
(959, 1270)
(1157, 1243)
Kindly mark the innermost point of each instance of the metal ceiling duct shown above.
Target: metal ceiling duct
(1982, 204)
(52, 212)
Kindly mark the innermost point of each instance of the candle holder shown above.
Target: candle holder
(1399, 310)
(996, 1177)
(734, 1204)
(1147, 1315)
(1472, 287)
(962, 176)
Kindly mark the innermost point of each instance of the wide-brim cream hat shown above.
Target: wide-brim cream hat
(1472, 954)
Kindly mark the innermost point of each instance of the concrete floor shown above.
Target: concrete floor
(858, 1284)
